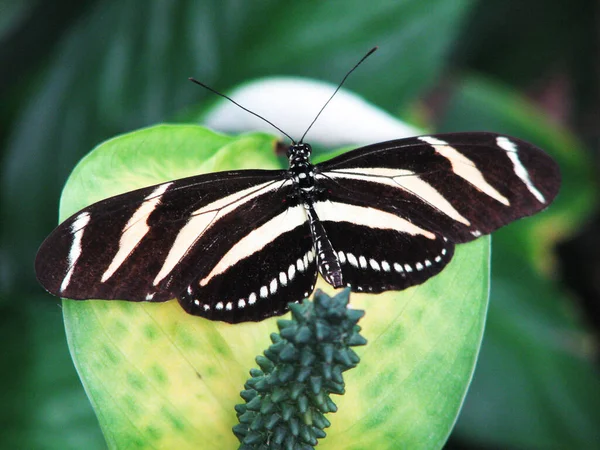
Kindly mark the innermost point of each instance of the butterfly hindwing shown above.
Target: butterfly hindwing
(378, 251)
(270, 267)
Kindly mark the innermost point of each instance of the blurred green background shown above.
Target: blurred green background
(75, 73)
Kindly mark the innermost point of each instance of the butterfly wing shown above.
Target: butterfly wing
(150, 244)
(393, 211)
(379, 251)
(260, 274)
(460, 185)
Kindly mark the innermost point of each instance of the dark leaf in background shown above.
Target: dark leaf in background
(524, 41)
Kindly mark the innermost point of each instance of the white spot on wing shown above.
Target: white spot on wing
(341, 257)
(273, 286)
(252, 299)
(398, 267)
(77, 228)
(264, 292)
(512, 152)
(374, 265)
(241, 303)
(352, 260)
(362, 261)
(282, 278)
(385, 266)
(291, 272)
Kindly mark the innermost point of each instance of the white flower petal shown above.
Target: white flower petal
(292, 103)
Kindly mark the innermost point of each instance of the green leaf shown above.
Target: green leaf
(526, 53)
(159, 378)
(536, 385)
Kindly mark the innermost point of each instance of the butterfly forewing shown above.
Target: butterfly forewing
(132, 246)
(460, 185)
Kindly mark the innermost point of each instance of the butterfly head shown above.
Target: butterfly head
(299, 151)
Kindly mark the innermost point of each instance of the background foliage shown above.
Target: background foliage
(76, 73)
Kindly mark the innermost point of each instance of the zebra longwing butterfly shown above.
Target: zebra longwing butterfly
(239, 245)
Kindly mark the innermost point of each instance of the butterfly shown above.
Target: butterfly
(238, 246)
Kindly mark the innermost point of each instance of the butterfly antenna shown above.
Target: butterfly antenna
(369, 53)
(244, 108)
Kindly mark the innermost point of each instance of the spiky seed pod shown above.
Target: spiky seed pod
(286, 398)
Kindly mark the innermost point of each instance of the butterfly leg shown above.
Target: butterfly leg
(327, 260)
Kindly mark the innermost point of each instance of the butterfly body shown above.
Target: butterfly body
(239, 245)
(302, 173)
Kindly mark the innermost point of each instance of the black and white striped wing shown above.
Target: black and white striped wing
(379, 251)
(451, 188)
(274, 264)
(155, 243)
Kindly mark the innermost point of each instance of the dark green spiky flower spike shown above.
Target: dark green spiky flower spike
(288, 397)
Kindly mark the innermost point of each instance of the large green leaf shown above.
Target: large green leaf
(159, 378)
(536, 385)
